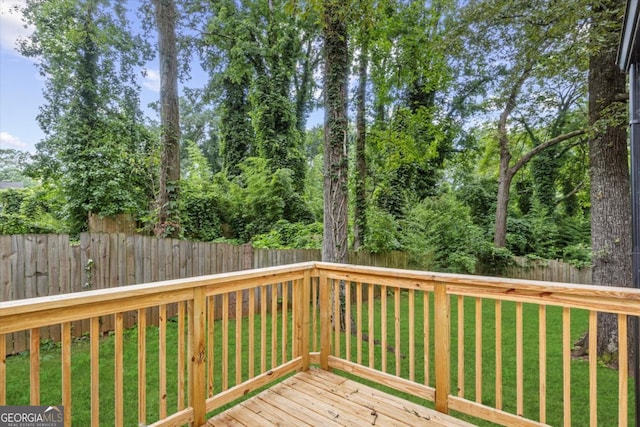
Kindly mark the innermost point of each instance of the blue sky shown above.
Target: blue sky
(21, 85)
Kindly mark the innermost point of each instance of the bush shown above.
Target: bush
(286, 235)
(443, 227)
(30, 211)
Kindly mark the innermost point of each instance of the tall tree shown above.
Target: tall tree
(261, 55)
(360, 205)
(610, 186)
(94, 142)
(523, 46)
(336, 72)
(168, 224)
(410, 137)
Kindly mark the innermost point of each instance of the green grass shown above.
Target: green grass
(18, 366)
(607, 377)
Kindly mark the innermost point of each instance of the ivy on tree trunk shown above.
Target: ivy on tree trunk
(169, 191)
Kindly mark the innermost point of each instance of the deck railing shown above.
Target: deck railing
(494, 349)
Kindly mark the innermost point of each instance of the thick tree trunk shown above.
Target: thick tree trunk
(336, 56)
(610, 187)
(360, 214)
(504, 186)
(169, 191)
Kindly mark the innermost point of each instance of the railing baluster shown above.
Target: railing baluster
(498, 321)
(371, 331)
(181, 344)
(3, 369)
(347, 303)
(519, 362)
(225, 341)
(460, 299)
(396, 303)
(210, 345)
(119, 370)
(412, 335)
(566, 365)
(337, 316)
(238, 337)
(383, 326)
(359, 323)
(142, 366)
(66, 371)
(542, 359)
(274, 326)
(593, 368)
(263, 328)
(304, 303)
(162, 358)
(479, 350)
(325, 322)
(94, 337)
(34, 366)
(285, 320)
(314, 311)
(623, 366)
(252, 331)
(426, 337)
(190, 351)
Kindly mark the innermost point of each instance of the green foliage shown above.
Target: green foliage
(13, 164)
(286, 235)
(382, 233)
(33, 210)
(94, 143)
(204, 201)
(443, 226)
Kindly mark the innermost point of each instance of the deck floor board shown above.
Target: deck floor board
(320, 398)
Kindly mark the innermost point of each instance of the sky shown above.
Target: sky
(21, 85)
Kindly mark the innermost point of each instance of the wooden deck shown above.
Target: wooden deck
(320, 398)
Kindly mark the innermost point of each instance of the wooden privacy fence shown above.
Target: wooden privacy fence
(548, 271)
(51, 264)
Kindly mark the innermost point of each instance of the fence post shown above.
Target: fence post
(197, 374)
(442, 346)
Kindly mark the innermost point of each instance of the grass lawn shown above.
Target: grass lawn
(18, 365)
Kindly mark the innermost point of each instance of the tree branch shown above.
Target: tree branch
(558, 139)
(570, 193)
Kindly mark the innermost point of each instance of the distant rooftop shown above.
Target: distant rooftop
(10, 184)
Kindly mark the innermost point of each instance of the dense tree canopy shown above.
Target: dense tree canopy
(456, 131)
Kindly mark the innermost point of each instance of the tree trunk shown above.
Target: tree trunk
(360, 214)
(610, 185)
(336, 62)
(336, 56)
(169, 188)
(504, 186)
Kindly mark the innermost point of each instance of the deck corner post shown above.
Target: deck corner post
(325, 321)
(197, 371)
(442, 345)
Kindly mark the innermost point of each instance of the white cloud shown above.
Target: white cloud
(11, 25)
(151, 80)
(9, 141)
